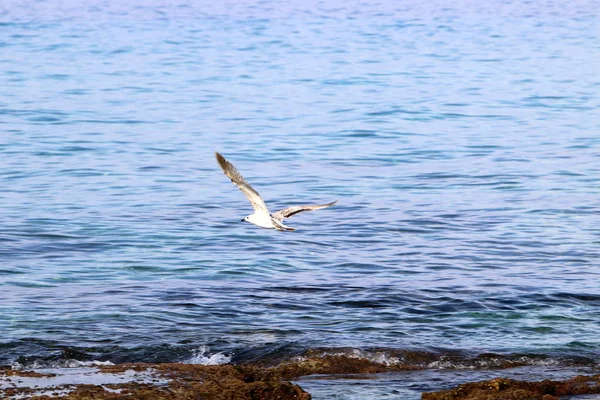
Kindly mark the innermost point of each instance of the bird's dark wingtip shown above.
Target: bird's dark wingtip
(220, 159)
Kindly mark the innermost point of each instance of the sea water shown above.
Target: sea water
(461, 139)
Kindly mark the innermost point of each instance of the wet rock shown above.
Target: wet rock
(7, 371)
(168, 382)
(331, 365)
(255, 381)
(508, 389)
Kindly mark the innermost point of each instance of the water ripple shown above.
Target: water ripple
(466, 233)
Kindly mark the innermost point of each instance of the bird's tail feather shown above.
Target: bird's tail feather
(281, 227)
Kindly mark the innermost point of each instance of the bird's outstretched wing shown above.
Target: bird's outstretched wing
(238, 180)
(288, 212)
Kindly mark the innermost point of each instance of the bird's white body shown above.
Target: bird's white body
(261, 219)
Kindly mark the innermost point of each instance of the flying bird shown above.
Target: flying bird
(261, 216)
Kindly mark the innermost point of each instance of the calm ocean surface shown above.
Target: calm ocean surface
(462, 141)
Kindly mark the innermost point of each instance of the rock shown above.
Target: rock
(253, 381)
(508, 389)
(165, 382)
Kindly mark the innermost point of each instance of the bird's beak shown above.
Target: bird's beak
(243, 219)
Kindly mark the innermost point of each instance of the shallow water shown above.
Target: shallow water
(461, 141)
(409, 385)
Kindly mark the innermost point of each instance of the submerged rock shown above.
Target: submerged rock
(509, 389)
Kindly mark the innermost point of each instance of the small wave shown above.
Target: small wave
(491, 362)
(70, 363)
(394, 359)
(202, 356)
(377, 357)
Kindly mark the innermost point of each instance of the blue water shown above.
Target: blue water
(462, 141)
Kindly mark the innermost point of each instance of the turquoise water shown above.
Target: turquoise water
(462, 141)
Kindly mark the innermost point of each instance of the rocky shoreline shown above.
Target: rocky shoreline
(175, 381)
(170, 381)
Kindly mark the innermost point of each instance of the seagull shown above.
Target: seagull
(261, 216)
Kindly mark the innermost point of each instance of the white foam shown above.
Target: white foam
(58, 364)
(202, 356)
(493, 362)
(377, 357)
(61, 380)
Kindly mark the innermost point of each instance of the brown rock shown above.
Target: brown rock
(173, 382)
(508, 389)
